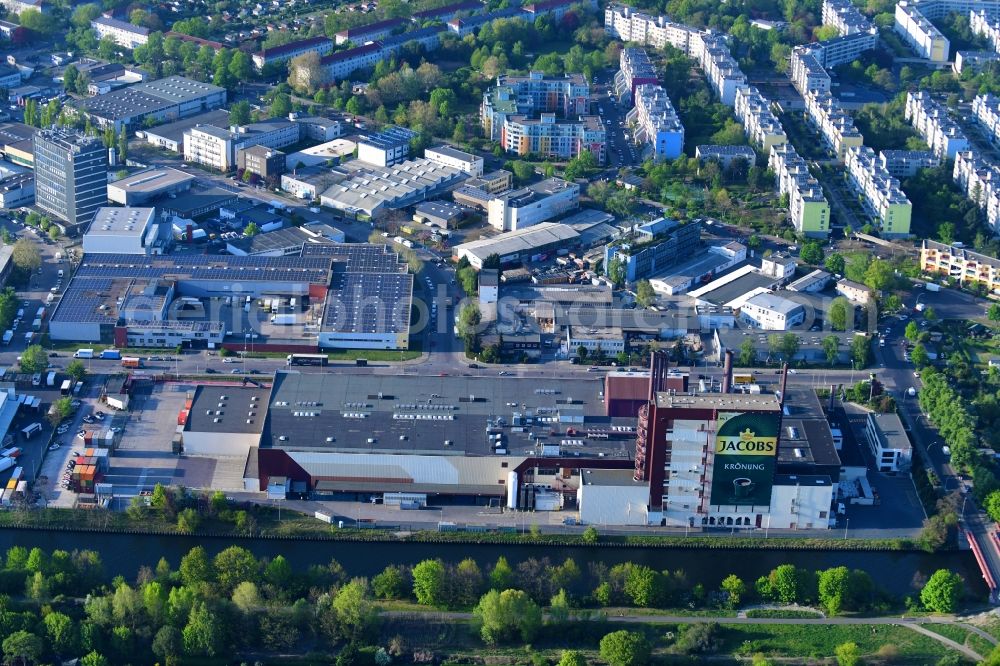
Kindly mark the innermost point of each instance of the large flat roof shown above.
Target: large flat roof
(227, 409)
(439, 415)
(733, 402)
(521, 240)
(152, 180)
(149, 97)
(125, 221)
(175, 131)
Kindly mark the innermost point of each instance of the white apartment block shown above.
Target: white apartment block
(806, 72)
(844, 16)
(931, 121)
(975, 61)
(986, 109)
(834, 124)
(987, 26)
(342, 64)
(630, 25)
(121, 32)
(216, 147)
(807, 207)
(981, 183)
(448, 156)
(879, 191)
(809, 63)
(919, 33)
(759, 123)
(634, 69)
(724, 74)
(770, 312)
(906, 163)
(656, 122)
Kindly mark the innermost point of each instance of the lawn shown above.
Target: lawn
(953, 631)
(810, 641)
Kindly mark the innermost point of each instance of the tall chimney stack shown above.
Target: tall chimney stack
(727, 372)
(833, 393)
(784, 382)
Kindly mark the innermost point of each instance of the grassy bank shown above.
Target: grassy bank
(295, 525)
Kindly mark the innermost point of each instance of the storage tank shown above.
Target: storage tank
(512, 490)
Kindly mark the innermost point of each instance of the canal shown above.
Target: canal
(125, 553)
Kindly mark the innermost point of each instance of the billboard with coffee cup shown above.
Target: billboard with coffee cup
(746, 447)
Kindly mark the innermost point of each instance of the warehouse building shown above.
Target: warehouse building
(123, 231)
(535, 203)
(154, 101)
(452, 157)
(141, 188)
(171, 135)
(386, 148)
(372, 191)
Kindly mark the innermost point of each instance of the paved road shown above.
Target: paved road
(915, 624)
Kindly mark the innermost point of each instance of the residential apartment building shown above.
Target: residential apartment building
(973, 61)
(463, 161)
(370, 33)
(721, 69)
(448, 12)
(806, 72)
(931, 121)
(554, 138)
(530, 205)
(656, 123)
(629, 25)
(568, 96)
(725, 155)
(844, 16)
(879, 192)
(71, 175)
(834, 124)
(981, 183)
(809, 63)
(761, 126)
(906, 163)
(919, 33)
(216, 147)
(342, 64)
(121, 32)
(986, 109)
(634, 69)
(807, 207)
(985, 25)
(318, 45)
(964, 265)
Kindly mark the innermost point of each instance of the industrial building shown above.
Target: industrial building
(457, 159)
(123, 231)
(537, 241)
(71, 176)
(145, 186)
(371, 191)
(157, 101)
(170, 136)
(283, 242)
(530, 205)
(17, 190)
(889, 444)
(387, 147)
(358, 296)
(217, 148)
(16, 144)
(661, 245)
(262, 161)
(770, 312)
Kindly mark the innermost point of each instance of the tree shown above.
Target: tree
(941, 593)
(571, 658)
(734, 588)
(504, 615)
(501, 575)
(95, 658)
(61, 410)
(698, 638)
(994, 312)
(919, 356)
(840, 314)
(879, 274)
(26, 257)
(61, 632)
(123, 145)
(355, 612)
(251, 230)
(70, 77)
(202, 633)
(625, 648)
(860, 350)
(306, 74)
(848, 654)
(195, 567)
(912, 331)
(239, 113)
(748, 353)
(240, 67)
(36, 21)
(281, 106)
(835, 263)
(390, 583)
(834, 588)
(992, 506)
(233, 566)
(168, 644)
(188, 521)
(429, 583)
(22, 647)
(811, 253)
(644, 294)
(616, 272)
(34, 359)
(930, 314)
(831, 348)
(590, 535)
(789, 346)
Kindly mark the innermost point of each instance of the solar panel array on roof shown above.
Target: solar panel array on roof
(86, 301)
(369, 303)
(207, 267)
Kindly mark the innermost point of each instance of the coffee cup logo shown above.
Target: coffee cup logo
(743, 487)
